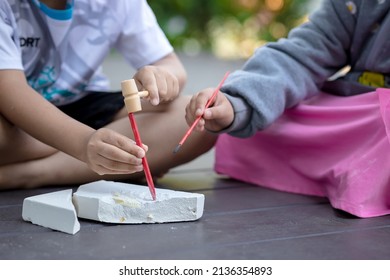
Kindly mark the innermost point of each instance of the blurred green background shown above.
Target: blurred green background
(229, 29)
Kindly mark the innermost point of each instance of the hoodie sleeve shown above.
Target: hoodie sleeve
(281, 74)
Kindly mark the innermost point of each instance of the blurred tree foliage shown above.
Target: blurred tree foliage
(230, 28)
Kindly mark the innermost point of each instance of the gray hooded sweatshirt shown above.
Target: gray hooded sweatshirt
(281, 74)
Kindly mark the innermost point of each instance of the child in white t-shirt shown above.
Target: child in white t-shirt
(59, 123)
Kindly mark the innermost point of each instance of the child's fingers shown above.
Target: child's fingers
(161, 85)
(108, 166)
(147, 80)
(112, 153)
(112, 160)
(201, 100)
(115, 154)
(167, 84)
(122, 144)
(200, 125)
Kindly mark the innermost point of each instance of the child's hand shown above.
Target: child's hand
(161, 84)
(109, 152)
(218, 116)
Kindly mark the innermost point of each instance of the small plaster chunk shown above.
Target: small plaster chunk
(53, 210)
(114, 202)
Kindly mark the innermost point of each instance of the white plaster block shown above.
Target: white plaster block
(52, 210)
(114, 202)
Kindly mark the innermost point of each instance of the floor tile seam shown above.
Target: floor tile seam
(10, 206)
(39, 230)
(294, 237)
(246, 211)
(192, 170)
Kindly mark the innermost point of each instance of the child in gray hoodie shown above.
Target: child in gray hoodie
(287, 123)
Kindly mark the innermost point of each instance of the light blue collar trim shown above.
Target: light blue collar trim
(57, 14)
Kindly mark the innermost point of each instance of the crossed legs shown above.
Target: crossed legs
(27, 163)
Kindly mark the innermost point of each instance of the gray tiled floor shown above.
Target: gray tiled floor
(240, 221)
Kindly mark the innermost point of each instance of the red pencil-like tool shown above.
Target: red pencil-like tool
(132, 100)
(199, 117)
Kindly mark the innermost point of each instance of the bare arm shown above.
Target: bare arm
(105, 151)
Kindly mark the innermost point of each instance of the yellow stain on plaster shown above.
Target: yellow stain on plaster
(126, 201)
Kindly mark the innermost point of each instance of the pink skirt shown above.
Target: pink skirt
(330, 146)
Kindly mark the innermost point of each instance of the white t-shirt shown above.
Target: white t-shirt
(61, 51)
